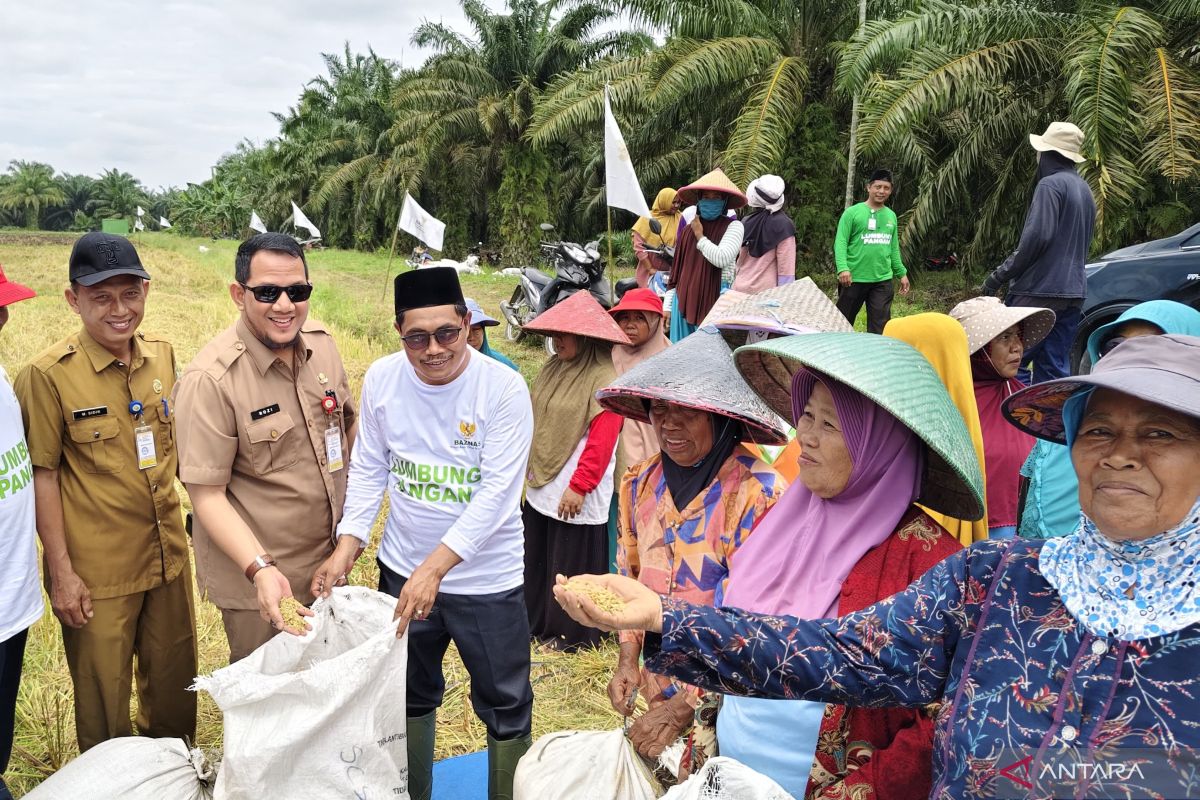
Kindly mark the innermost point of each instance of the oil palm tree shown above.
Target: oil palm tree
(117, 195)
(30, 188)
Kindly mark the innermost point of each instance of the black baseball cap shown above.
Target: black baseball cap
(97, 257)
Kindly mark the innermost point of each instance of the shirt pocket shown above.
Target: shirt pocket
(274, 443)
(166, 431)
(97, 444)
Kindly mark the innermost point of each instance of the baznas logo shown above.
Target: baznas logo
(467, 429)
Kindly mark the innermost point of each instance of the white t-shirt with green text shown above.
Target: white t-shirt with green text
(20, 596)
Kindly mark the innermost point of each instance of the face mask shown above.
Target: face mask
(710, 209)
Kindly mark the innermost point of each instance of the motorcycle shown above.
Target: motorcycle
(942, 263)
(575, 267)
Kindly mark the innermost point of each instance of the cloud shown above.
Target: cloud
(162, 90)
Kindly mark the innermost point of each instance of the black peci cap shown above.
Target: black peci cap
(432, 286)
(97, 257)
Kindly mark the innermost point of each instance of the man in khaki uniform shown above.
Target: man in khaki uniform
(101, 442)
(265, 427)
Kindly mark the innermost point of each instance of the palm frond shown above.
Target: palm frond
(1170, 103)
(760, 135)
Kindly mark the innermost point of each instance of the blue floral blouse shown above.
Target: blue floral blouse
(1021, 685)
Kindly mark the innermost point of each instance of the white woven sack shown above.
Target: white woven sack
(132, 768)
(582, 765)
(321, 715)
(725, 779)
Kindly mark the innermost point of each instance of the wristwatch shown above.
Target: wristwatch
(259, 562)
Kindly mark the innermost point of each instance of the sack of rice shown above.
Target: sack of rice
(583, 765)
(132, 768)
(322, 715)
(725, 779)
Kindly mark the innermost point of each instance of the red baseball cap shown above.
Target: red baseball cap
(639, 300)
(13, 292)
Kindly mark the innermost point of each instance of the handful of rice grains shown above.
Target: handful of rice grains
(289, 609)
(605, 599)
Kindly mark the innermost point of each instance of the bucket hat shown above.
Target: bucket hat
(581, 315)
(698, 373)
(985, 318)
(1168, 316)
(638, 300)
(716, 181)
(797, 307)
(479, 316)
(897, 378)
(11, 292)
(1160, 369)
(1063, 138)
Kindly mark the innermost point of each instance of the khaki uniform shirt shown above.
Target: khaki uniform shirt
(248, 423)
(124, 526)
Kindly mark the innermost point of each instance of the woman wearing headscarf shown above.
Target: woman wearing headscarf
(844, 537)
(1051, 493)
(477, 337)
(639, 315)
(998, 337)
(768, 256)
(666, 211)
(1061, 668)
(943, 342)
(706, 250)
(686, 510)
(571, 462)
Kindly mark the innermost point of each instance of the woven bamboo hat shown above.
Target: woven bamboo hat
(581, 315)
(797, 307)
(715, 181)
(898, 378)
(985, 318)
(698, 373)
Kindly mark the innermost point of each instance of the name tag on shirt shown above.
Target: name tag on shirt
(144, 438)
(88, 413)
(871, 224)
(333, 449)
(264, 412)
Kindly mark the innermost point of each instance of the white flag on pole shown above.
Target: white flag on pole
(421, 224)
(141, 211)
(301, 221)
(620, 181)
(137, 225)
(162, 223)
(256, 223)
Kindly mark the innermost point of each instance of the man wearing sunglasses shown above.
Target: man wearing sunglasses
(446, 434)
(265, 422)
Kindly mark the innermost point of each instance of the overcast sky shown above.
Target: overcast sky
(163, 89)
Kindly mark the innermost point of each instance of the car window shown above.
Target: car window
(1192, 242)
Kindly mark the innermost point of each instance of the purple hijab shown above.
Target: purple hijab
(798, 557)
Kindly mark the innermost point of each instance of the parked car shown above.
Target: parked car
(1164, 269)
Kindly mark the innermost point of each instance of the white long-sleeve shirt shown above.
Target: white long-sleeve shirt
(724, 256)
(452, 460)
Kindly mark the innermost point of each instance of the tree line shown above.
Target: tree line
(501, 127)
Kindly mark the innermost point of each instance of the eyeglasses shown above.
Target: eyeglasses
(1111, 344)
(420, 341)
(269, 293)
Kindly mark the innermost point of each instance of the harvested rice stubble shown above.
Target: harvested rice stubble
(605, 599)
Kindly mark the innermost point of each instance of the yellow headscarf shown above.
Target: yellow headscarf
(667, 217)
(935, 337)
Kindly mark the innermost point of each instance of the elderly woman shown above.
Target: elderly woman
(1042, 654)
(998, 337)
(1050, 492)
(477, 336)
(571, 463)
(706, 250)
(665, 211)
(768, 257)
(944, 344)
(686, 510)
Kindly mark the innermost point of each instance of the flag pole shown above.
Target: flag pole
(612, 277)
(388, 273)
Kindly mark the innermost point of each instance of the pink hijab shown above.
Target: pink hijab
(638, 441)
(798, 557)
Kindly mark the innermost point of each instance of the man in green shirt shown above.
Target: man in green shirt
(866, 250)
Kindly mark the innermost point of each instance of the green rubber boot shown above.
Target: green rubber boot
(421, 732)
(502, 765)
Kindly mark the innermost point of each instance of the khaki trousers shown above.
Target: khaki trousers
(158, 628)
(246, 631)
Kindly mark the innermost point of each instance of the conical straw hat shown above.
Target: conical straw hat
(697, 372)
(581, 315)
(797, 307)
(716, 181)
(898, 378)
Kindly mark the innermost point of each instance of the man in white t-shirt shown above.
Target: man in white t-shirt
(446, 431)
(20, 597)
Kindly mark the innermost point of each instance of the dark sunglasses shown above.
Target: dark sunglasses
(1110, 345)
(420, 341)
(268, 293)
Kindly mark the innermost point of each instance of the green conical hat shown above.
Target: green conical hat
(896, 377)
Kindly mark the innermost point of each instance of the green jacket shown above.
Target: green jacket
(868, 255)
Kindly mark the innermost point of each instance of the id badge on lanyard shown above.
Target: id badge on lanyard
(871, 224)
(334, 460)
(143, 437)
